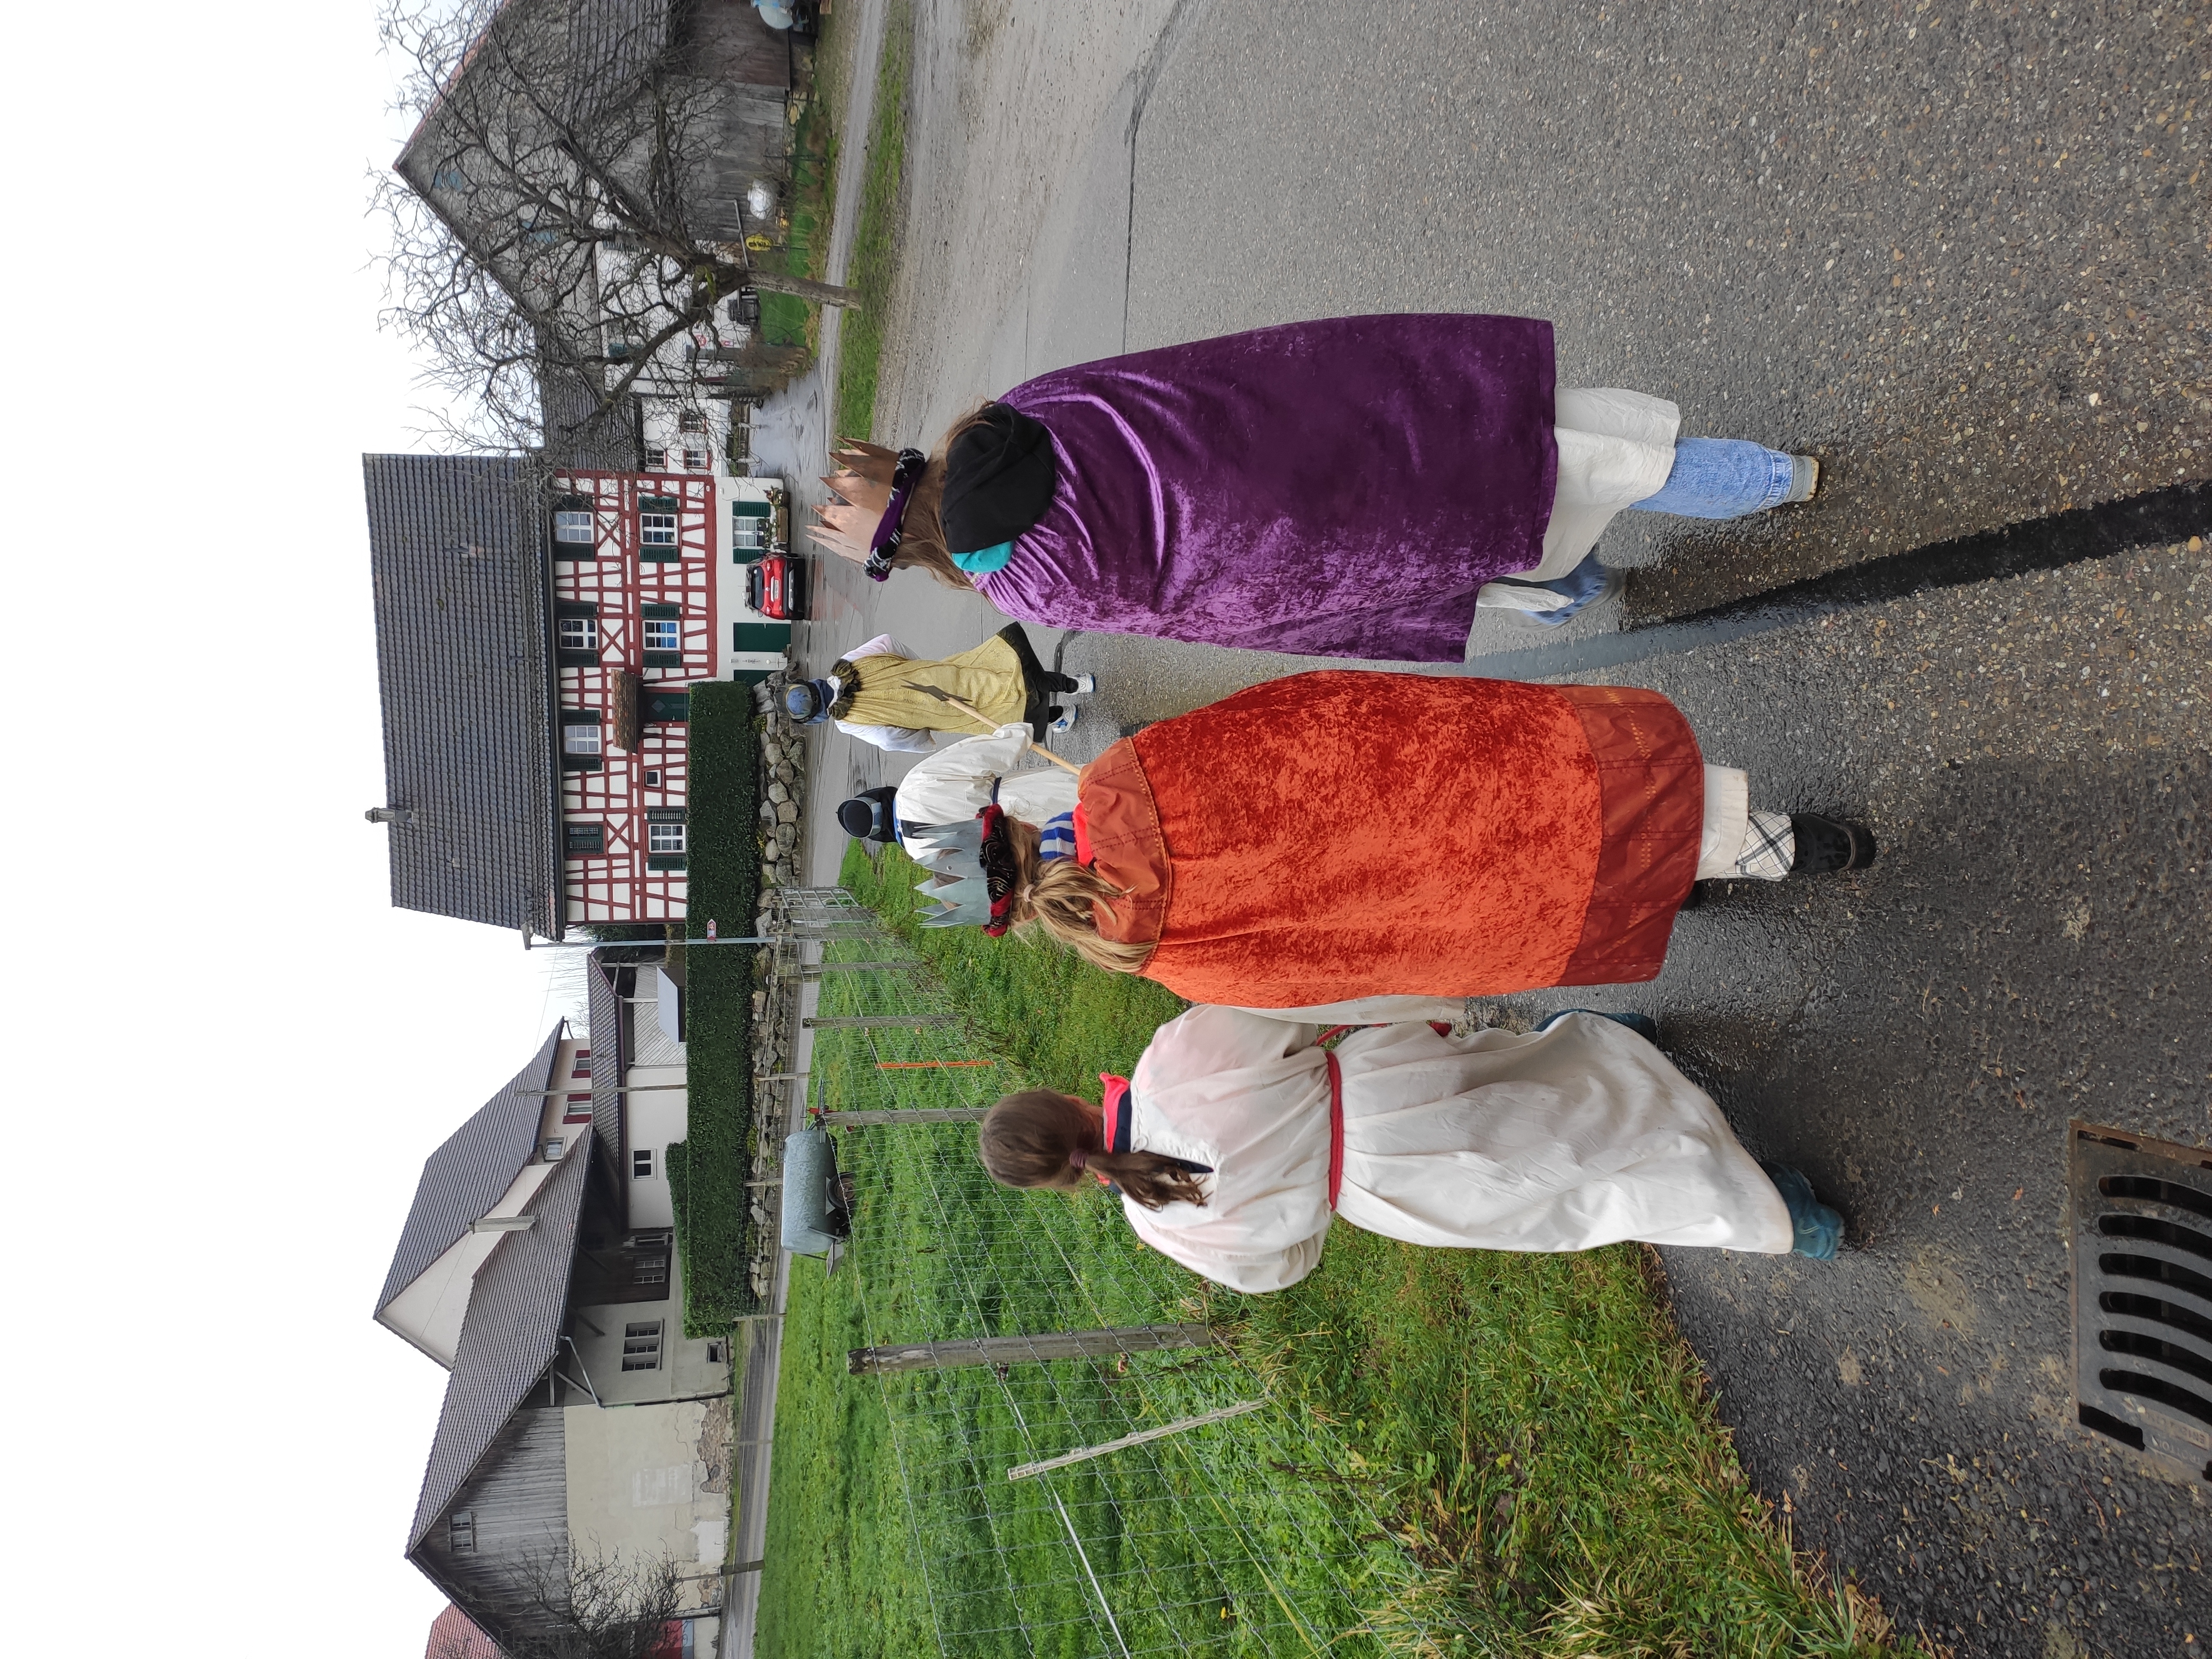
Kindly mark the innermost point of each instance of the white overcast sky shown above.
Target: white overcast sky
(231, 1054)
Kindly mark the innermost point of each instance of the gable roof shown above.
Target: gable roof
(464, 1178)
(516, 1310)
(458, 558)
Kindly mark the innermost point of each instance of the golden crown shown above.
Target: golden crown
(863, 479)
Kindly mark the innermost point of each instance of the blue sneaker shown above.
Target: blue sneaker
(1588, 583)
(1819, 1230)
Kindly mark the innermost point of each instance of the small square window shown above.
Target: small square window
(641, 1164)
(664, 635)
(690, 420)
(580, 739)
(461, 1532)
(553, 1150)
(579, 633)
(652, 778)
(663, 838)
(574, 526)
(656, 459)
(657, 529)
(694, 460)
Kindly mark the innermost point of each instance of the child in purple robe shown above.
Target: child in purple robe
(1353, 487)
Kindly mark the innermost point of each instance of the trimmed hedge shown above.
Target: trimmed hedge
(708, 1172)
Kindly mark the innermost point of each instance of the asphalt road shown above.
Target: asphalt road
(1960, 252)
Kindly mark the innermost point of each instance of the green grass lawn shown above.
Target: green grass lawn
(708, 1170)
(876, 236)
(786, 319)
(1531, 1433)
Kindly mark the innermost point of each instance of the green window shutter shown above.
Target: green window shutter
(663, 660)
(661, 612)
(574, 608)
(664, 860)
(660, 555)
(579, 762)
(566, 659)
(583, 838)
(664, 815)
(760, 637)
(659, 504)
(752, 509)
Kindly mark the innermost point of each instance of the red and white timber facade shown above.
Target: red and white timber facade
(645, 587)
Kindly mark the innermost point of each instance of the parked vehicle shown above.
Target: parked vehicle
(777, 587)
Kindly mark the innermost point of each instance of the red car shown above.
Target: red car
(776, 587)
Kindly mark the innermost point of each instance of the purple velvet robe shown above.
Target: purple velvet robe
(1339, 489)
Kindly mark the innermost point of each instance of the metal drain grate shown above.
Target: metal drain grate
(2143, 1294)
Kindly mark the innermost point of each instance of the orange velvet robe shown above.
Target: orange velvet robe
(1344, 834)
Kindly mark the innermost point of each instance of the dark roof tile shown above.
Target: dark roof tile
(464, 1178)
(458, 558)
(516, 1310)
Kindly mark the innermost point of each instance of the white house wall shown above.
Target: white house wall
(648, 1482)
(657, 1115)
(429, 1311)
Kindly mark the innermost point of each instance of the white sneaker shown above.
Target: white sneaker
(1085, 684)
(1065, 724)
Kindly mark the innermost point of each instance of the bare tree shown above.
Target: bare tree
(563, 233)
(579, 1607)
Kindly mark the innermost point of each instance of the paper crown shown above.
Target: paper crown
(953, 854)
(864, 480)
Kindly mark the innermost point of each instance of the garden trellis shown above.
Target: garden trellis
(1249, 1530)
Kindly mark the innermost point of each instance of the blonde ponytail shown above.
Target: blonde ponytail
(1060, 898)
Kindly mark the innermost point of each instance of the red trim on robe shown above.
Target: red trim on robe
(1112, 1104)
(1651, 780)
(1335, 1126)
(1083, 853)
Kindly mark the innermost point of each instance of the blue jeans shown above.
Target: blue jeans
(1721, 478)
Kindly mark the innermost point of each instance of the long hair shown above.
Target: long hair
(921, 532)
(1028, 1137)
(1059, 898)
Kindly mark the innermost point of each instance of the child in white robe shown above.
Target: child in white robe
(1240, 1138)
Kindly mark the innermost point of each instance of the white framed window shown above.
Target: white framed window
(641, 1163)
(690, 420)
(579, 633)
(663, 838)
(573, 526)
(694, 460)
(749, 535)
(553, 1149)
(656, 459)
(657, 529)
(461, 1532)
(580, 739)
(642, 1345)
(664, 634)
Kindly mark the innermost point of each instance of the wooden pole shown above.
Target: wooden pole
(1025, 1471)
(816, 970)
(978, 716)
(833, 1120)
(1026, 1350)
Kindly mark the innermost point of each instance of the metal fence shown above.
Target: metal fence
(1243, 1534)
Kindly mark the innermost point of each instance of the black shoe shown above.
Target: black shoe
(1825, 846)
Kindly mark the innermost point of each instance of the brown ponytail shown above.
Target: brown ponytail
(1029, 1138)
(921, 532)
(1060, 898)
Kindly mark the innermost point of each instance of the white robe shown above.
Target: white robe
(954, 784)
(1616, 448)
(1575, 1137)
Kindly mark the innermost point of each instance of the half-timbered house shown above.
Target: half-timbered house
(580, 1423)
(535, 653)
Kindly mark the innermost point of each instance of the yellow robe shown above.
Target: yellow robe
(989, 678)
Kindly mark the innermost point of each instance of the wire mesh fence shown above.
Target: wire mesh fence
(1251, 1532)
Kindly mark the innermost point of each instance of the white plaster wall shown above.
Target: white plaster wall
(636, 1488)
(657, 1115)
